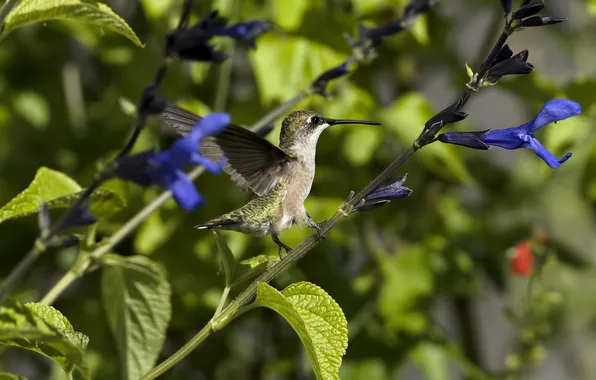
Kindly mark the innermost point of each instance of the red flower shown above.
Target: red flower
(522, 260)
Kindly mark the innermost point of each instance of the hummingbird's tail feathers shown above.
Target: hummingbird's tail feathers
(220, 224)
(181, 120)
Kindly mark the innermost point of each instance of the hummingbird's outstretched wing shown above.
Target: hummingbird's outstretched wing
(252, 161)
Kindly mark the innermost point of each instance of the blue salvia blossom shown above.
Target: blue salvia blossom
(165, 168)
(246, 32)
(521, 136)
(384, 194)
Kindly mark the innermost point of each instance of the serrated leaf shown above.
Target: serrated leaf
(228, 261)
(11, 376)
(43, 329)
(58, 191)
(406, 117)
(46, 186)
(104, 202)
(90, 11)
(136, 297)
(317, 319)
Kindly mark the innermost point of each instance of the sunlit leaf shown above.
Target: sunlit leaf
(58, 191)
(317, 319)
(104, 202)
(47, 185)
(136, 297)
(283, 66)
(43, 329)
(289, 14)
(89, 11)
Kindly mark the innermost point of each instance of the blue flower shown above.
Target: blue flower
(522, 136)
(384, 194)
(165, 168)
(246, 32)
(318, 86)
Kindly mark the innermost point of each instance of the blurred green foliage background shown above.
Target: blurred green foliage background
(425, 282)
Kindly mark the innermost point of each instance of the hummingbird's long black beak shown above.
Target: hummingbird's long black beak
(346, 121)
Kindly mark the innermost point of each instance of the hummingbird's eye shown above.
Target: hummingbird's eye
(315, 120)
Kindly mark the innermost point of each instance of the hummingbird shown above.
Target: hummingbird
(280, 177)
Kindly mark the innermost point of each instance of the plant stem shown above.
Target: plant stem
(19, 271)
(59, 287)
(240, 304)
(222, 301)
(223, 86)
(180, 354)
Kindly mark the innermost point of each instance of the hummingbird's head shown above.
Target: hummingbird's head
(305, 127)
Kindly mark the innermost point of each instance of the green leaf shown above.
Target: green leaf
(47, 185)
(297, 62)
(58, 191)
(136, 296)
(228, 261)
(43, 329)
(289, 14)
(89, 11)
(407, 117)
(104, 202)
(317, 319)
(11, 376)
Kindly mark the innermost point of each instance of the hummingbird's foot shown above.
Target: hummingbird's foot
(311, 224)
(280, 246)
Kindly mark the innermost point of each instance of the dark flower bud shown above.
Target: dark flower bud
(527, 11)
(449, 115)
(415, 7)
(394, 190)
(384, 194)
(320, 83)
(469, 139)
(134, 168)
(75, 217)
(525, 2)
(379, 33)
(150, 103)
(506, 4)
(540, 21)
(192, 43)
(504, 53)
(513, 66)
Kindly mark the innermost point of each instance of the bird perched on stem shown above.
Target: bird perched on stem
(280, 177)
